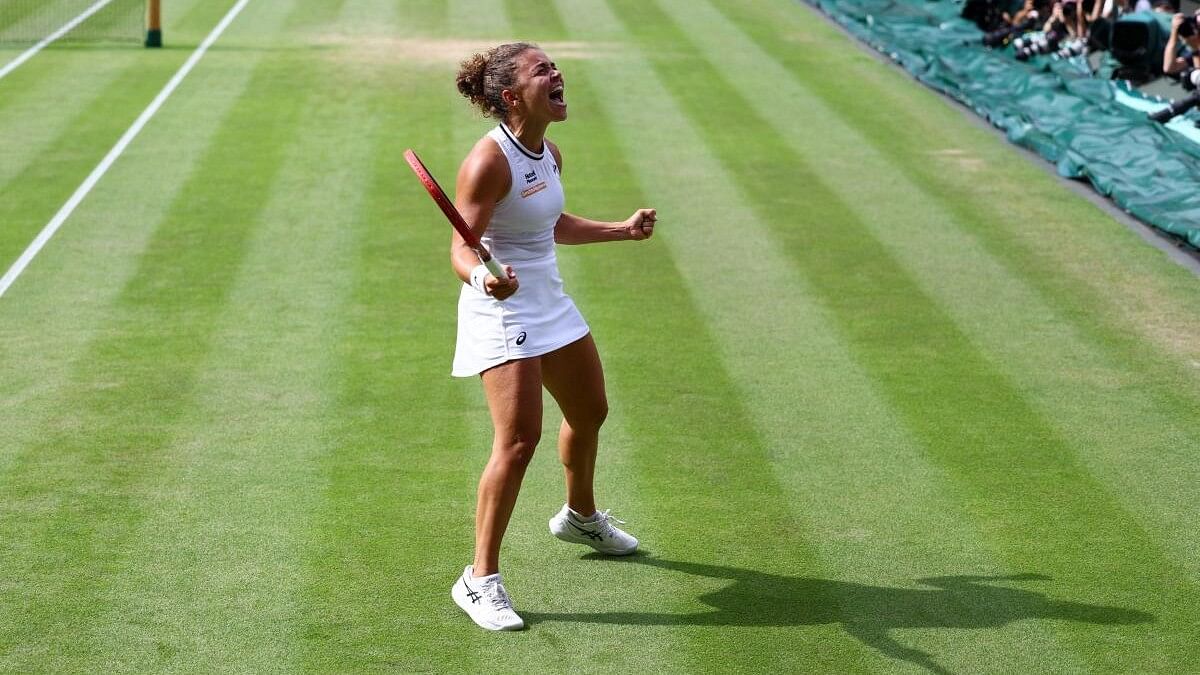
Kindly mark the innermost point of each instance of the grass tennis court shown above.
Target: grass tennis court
(885, 395)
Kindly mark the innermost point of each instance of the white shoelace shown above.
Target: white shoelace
(497, 596)
(605, 520)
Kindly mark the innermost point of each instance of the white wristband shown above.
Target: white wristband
(479, 277)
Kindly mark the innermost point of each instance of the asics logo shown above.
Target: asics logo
(472, 593)
(521, 338)
(594, 536)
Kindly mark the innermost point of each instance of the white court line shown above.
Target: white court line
(101, 168)
(28, 53)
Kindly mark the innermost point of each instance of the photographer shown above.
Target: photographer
(1028, 9)
(1100, 22)
(1074, 17)
(1183, 27)
(1108, 10)
(1182, 63)
(1065, 26)
(1010, 27)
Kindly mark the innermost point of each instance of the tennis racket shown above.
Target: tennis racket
(452, 214)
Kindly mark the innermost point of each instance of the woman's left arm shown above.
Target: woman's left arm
(573, 229)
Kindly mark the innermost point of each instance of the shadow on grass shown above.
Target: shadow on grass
(866, 612)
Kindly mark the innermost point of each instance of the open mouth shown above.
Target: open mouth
(556, 96)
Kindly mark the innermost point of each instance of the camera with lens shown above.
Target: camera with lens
(1176, 108)
(1002, 36)
(1040, 43)
(1072, 48)
(1189, 79)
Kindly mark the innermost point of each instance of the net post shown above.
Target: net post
(153, 23)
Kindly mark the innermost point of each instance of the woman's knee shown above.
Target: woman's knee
(601, 412)
(517, 448)
(589, 418)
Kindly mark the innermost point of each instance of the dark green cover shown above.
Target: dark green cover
(1091, 128)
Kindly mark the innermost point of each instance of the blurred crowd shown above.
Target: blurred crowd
(1146, 39)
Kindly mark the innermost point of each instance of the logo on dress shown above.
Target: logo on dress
(530, 191)
(521, 339)
(531, 176)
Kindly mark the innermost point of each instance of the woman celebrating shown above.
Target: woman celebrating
(522, 332)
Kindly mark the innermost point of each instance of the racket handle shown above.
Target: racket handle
(495, 268)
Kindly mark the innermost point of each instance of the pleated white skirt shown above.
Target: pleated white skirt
(539, 318)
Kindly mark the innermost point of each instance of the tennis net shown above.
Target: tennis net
(30, 21)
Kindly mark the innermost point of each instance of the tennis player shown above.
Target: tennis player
(522, 332)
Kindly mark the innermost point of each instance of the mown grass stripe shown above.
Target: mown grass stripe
(971, 418)
(539, 568)
(93, 262)
(542, 571)
(74, 500)
(479, 20)
(786, 380)
(35, 112)
(707, 595)
(871, 502)
(1012, 206)
(253, 481)
(49, 39)
(683, 184)
(47, 84)
(537, 20)
(123, 142)
(387, 544)
(1083, 375)
(32, 195)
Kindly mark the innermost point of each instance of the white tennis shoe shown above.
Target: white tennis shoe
(599, 532)
(485, 601)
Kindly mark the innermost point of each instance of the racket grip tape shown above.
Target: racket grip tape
(495, 268)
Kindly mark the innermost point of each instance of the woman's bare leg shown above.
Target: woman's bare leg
(574, 377)
(514, 396)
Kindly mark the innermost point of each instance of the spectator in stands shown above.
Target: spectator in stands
(1065, 17)
(1184, 29)
(1007, 27)
(1101, 16)
(1064, 31)
(1109, 10)
(1019, 18)
(1163, 6)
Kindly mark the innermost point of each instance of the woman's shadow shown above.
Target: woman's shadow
(866, 612)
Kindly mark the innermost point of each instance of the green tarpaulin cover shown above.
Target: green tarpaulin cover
(1091, 128)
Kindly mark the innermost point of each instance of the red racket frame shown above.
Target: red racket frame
(452, 214)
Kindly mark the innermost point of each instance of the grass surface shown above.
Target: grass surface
(885, 396)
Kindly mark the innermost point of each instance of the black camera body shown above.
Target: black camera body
(1040, 43)
(1189, 79)
(1004, 35)
(1177, 108)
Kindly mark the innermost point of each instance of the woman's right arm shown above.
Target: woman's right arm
(483, 179)
(1170, 62)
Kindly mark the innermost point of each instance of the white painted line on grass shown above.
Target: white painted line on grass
(28, 53)
(101, 168)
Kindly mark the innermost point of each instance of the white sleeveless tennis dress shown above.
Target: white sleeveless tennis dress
(539, 317)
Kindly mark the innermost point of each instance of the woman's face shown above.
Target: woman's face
(539, 87)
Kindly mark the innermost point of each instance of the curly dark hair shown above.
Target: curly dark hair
(482, 77)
